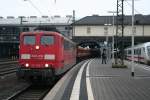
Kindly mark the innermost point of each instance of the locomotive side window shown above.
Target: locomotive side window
(47, 40)
(29, 40)
(66, 44)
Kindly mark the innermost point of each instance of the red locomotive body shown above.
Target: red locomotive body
(45, 54)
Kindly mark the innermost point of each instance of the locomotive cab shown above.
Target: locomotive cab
(38, 54)
(45, 54)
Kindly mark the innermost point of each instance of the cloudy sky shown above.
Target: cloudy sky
(65, 7)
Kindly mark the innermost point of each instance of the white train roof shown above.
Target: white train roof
(140, 45)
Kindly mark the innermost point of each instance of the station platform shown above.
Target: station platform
(91, 80)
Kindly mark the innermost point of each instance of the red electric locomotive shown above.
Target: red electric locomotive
(45, 54)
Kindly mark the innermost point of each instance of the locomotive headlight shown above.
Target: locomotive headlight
(37, 47)
(49, 57)
(27, 65)
(25, 56)
(46, 65)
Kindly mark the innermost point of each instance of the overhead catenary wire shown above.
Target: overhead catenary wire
(32, 4)
(134, 8)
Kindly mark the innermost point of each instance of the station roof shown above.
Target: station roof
(102, 20)
(34, 20)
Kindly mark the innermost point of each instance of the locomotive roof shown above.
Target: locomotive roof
(38, 31)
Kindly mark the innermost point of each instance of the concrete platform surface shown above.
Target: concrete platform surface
(91, 80)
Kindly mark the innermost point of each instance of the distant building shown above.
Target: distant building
(98, 27)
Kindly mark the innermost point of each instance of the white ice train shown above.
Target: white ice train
(141, 53)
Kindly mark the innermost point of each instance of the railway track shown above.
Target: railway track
(32, 92)
(8, 62)
(7, 69)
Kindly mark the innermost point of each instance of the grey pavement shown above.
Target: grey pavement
(117, 83)
(107, 83)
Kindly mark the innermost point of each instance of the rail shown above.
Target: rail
(32, 92)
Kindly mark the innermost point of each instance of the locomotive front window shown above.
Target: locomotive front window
(47, 40)
(29, 40)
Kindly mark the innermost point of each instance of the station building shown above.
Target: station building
(97, 28)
